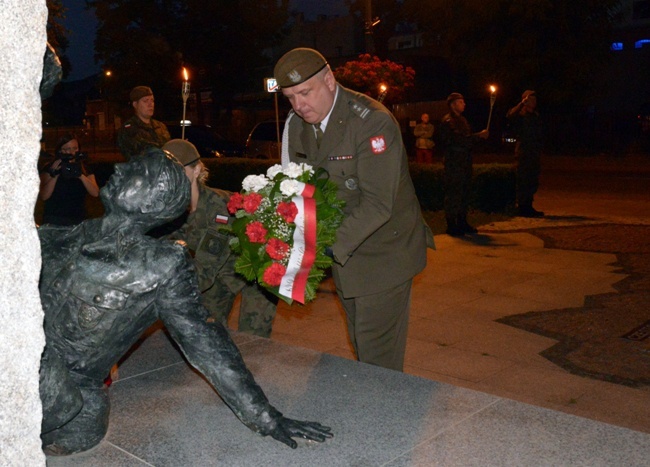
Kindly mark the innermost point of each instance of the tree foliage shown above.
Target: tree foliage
(368, 73)
(554, 46)
(57, 35)
(390, 14)
(220, 42)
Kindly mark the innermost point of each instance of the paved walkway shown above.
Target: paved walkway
(454, 338)
(480, 394)
(471, 282)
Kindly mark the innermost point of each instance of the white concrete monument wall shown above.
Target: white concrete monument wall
(22, 46)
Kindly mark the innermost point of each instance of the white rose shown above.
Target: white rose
(293, 170)
(290, 187)
(254, 182)
(306, 168)
(273, 171)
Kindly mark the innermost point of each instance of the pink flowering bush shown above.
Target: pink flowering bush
(368, 72)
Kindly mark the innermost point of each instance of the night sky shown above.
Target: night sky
(82, 24)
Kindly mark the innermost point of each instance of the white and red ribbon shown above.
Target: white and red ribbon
(303, 252)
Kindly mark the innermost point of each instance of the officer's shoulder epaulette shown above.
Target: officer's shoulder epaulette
(359, 108)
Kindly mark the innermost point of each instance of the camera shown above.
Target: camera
(71, 164)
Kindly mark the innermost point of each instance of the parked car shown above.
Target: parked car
(262, 142)
(208, 142)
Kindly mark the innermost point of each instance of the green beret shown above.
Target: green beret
(527, 93)
(184, 151)
(139, 92)
(297, 66)
(454, 96)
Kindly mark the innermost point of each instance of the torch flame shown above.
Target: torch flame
(185, 76)
(493, 89)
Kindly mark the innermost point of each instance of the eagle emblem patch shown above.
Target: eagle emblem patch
(294, 76)
(378, 144)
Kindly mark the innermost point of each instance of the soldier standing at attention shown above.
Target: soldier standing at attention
(382, 242)
(456, 138)
(213, 258)
(527, 124)
(141, 131)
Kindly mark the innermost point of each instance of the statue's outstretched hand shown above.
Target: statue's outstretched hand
(287, 428)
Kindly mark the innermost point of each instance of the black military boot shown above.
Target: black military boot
(465, 227)
(529, 211)
(453, 228)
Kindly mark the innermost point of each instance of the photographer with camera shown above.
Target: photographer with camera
(64, 184)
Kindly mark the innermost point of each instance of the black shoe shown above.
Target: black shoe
(529, 211)
(465, 227)
(455, 231)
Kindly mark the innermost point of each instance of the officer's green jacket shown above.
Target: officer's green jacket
(201, 232)
(383, 239)
(135, 136)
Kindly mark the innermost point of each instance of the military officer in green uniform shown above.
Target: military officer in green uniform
(141, 131)
(213, 258)
(382, 242)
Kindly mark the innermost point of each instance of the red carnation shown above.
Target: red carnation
(277, 249)
(273, 274)
(256, 232)
(288, 211)
(252, 202)
(235, 203)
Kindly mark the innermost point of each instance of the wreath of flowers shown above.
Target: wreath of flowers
(268, 211)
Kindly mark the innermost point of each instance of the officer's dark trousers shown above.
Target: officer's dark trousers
(528, 169)
(378, 325)
(457, 181)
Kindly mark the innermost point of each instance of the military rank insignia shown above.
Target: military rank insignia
(340, 158)
(378, 144)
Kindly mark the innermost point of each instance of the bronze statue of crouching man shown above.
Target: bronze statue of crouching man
(104, 282)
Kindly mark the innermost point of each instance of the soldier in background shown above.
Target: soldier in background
(141, 131)
(527, 125)
(213, 258)
(457, 139)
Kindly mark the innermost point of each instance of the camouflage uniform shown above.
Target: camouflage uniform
(215, 266)
(456, 139)
(135, 136)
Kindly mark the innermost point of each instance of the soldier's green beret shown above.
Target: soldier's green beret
(454, 96)
(182, 150)
(139, 92)
(528, 93)
(297, 66)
